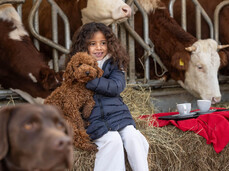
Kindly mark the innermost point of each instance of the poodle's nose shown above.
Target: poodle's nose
(87, 72)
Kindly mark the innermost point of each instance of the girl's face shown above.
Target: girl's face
(97, 46)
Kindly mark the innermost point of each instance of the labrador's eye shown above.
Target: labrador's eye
(60, 126)
(30, 126)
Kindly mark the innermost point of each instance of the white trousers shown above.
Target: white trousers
(110, 155)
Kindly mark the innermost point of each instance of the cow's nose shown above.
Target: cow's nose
(62, 143)
(216, 100)
(127, 10)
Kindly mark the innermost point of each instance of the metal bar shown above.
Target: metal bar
(66, 23)
(36, 26)
(41, 38)
(19, 10)
(206, 17)
(129, 2)
(142, 43)
(55, 37)
(114, 28)
(183, 15)
(131, 51)
(171, 4)
(198, 23)
(216, 18)
(123, 36)
(146, 38)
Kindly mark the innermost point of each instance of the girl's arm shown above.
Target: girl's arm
(111, 86)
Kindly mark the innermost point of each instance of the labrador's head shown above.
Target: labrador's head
(34, 137)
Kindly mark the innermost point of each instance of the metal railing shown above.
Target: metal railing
(216, 18)
(199, 12)
(145, 43)
(126, 33)
(54, 42)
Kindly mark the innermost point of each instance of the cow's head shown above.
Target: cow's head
(201, 73)
(105, 11)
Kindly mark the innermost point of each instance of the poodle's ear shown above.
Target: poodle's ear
(68, 74)
(99, 71)
(4, 120)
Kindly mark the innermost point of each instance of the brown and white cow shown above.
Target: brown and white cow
(78, 12)
(209, 7)
(22, 67)
(196, 71)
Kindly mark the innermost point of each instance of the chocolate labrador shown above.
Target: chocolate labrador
(34, 138)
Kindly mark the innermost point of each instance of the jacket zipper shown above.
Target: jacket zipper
(102, 113)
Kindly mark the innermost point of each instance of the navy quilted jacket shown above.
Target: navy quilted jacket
(109, 113)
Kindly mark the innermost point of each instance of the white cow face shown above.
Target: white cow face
(201, 77)
(105, 11)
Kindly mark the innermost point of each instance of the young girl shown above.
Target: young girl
(112, 127)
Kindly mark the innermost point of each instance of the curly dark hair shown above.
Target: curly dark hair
(81, 38)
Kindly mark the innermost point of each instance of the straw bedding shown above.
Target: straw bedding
(170, 148)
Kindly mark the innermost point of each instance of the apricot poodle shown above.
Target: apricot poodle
(74, 99)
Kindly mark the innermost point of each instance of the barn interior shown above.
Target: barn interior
(145, 93)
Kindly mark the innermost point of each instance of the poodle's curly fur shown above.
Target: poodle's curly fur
(75, 100)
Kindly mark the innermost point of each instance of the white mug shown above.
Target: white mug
(184, 108)
(204, 105)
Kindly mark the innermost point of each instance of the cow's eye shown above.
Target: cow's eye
(200, 67)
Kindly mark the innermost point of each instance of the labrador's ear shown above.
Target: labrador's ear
(69, 130)
(4, 121)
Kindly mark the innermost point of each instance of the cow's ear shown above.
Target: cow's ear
(4, 120)
(224, 56)
(82, 4)
(180, 60)
(46, 77)
(44, 72)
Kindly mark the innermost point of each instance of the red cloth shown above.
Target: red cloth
(213, 127)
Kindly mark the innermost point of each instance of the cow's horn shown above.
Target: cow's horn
(191, 48)
(222, 46)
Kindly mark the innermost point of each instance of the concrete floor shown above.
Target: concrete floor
(164, 99)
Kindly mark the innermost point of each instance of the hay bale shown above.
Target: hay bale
(170, 148)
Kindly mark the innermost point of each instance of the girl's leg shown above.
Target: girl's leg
(110, 155)
(136, 147)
